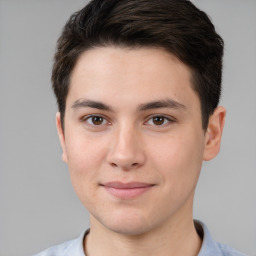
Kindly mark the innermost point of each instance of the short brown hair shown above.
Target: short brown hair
(174, 25)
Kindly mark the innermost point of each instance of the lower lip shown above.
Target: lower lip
(127, 193)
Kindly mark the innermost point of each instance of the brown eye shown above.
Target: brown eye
(96, 120)
(158, 120)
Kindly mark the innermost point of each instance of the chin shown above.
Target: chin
(128, 229)
(126, 223)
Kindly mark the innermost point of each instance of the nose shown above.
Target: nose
(126, 150)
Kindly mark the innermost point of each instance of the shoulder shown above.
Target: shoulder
(59, 249)
(73, 247)
(228, 251)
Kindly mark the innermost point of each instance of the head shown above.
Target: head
(138, 84)
(178, 27)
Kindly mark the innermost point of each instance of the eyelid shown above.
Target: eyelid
(166, 117)
(85, 118)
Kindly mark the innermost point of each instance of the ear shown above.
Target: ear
(61, 137)
(214, 133)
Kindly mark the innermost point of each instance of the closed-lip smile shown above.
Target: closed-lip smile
(128, 190)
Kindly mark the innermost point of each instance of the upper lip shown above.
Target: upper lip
(121, 185)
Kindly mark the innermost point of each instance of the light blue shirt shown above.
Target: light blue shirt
(209, 246)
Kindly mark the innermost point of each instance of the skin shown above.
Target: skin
(129, 140)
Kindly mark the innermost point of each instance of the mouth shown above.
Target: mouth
(126, 190)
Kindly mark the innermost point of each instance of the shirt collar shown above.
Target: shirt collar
(77, 248)
(209, 246)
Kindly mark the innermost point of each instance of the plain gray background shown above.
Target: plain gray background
(38, 207)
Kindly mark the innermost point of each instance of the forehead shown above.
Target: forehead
(124, 61)
(142, 74)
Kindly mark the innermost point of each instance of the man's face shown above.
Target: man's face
(133, 138)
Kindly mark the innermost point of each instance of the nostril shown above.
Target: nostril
(124, 166)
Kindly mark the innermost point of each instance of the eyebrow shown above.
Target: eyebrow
(165, 103)
(91, 104)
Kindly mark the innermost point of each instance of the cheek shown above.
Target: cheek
(178, 159)
(83, 151)
(85, 157)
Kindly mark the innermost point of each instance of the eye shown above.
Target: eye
(159, 121)
(95, 120)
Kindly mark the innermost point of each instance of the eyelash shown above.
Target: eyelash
(87, 118)
(167, 120)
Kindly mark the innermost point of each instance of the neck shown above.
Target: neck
(180, 239)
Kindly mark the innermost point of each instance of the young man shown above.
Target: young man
(138, 84)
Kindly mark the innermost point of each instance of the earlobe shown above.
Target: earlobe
(61, 137)
(214, 133)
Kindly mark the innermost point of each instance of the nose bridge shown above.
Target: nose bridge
(126, 148)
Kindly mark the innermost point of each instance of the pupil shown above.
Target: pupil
(97, 120)
(158, 120)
